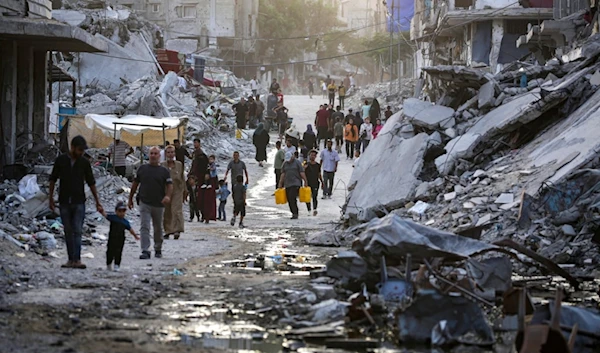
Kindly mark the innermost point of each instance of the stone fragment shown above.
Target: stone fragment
(479, 200)
(500, 99)
(426, 114)
(483, 220)
(505, 198)
(450, 196)
(485, 98)
(467, 115)
(448, 123)
(450, 133)
(508, 206)
(568, 230)
(430, 222)
(468, 205)
(457, 216)
(478, 173)
(459, 189)
(422, 191)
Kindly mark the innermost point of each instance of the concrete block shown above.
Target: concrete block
(486, 97)
(467, 115)
(568, 230)
(500, 99)
(448, 123)
(450, 133)
(484, 220)
(426, 114)
(450, 196)
(505, 198)
(422, 191)
(376, 163)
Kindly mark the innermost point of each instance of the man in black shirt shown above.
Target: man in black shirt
(241, 113)
(156, 188)
(180, 152)
(312, 169)
(73, 170)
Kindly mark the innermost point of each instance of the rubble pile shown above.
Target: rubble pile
(382, 91)
(507, 163)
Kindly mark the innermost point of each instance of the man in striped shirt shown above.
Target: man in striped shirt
(120, 150)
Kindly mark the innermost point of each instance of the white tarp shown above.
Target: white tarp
(106, 123)
(98, 130)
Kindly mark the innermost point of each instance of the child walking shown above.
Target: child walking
(239, 200)
(116, 235)
(192, 192)
(222, 195)
(212, 169)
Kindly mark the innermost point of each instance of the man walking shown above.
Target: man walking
(292, 176)
(241, 113)
(322, 124)
(252, 109)
(199, 163)
(312, 170)
(260, 109)
(311, 88)
(254, 86)
(119, 150)
(73, 170)
(331, 88)
(274, 87)
(236, 167)
(156, 187)
(342, 94)
(329, 161)
(180, 152)
(278, 164)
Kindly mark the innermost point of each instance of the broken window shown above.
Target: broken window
(463, 4)
(516, 27)
(189, 11)
(155, 7)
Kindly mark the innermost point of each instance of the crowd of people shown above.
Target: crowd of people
(161, 187)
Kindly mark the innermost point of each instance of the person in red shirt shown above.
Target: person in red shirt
(322, 124)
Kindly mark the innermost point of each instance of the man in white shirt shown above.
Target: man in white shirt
(329, 162)
(289, 147)
(162, 152)
(366, 133)
(254, 86)
(118, 152)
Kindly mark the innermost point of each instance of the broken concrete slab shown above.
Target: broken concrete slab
(426, 114)
(505, 198)
(577, 136)
(450, 196)
(504, 119)
(486, 97)
(70, 17)
(403, 173)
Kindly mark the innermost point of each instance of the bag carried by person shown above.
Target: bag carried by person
(305, 194)
(280, 196)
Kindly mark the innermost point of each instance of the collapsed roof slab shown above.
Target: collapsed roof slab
(50, 35)
(504, 119)
(575, 137)
(394, 163)
(426, 114)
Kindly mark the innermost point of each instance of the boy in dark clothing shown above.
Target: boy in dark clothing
(312, 169)
(222, 194)
(239, 200)
(191, 192)
(303, 155)
(116, 235)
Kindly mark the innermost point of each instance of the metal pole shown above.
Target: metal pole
(399, 64)
(164, 135)
(390, 28)
(114, 149)
(142, 150)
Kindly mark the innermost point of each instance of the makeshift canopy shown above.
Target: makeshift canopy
(99, 130)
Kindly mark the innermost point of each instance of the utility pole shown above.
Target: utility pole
(391, 29)
(399, 61)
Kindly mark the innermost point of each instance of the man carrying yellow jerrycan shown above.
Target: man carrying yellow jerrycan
(292, 176)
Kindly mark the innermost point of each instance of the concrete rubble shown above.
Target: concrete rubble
(519, 169)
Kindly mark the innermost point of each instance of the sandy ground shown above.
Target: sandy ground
(49, 309)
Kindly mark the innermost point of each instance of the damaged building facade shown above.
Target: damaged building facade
(27, 35)
(473, 33)
(225, 25)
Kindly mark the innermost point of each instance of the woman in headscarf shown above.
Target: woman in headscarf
(374, 111)
(377, 128)
(309, 137)
(173, 216)
(260, 139)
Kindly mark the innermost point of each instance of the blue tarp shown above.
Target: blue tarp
(402, 12)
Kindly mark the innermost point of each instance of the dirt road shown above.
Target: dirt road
(194, 297)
